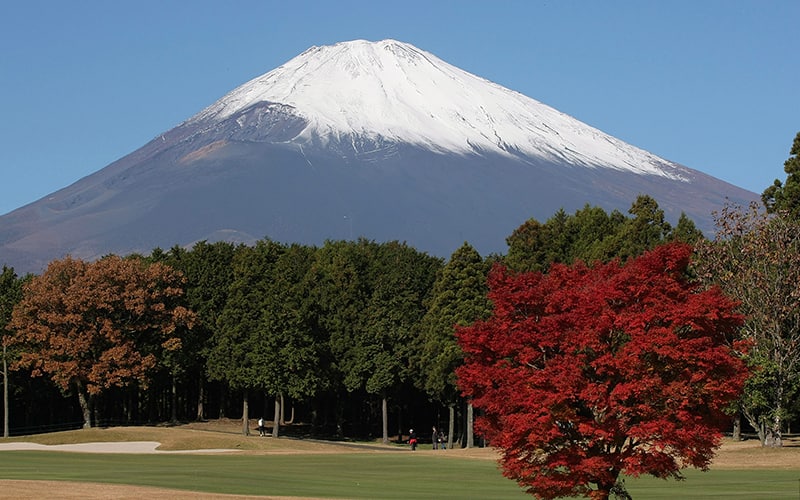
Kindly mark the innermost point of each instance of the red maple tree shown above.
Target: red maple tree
(585, 373)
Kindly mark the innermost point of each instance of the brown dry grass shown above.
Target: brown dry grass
(750, 454)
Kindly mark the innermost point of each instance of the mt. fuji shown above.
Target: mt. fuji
(374, 139)
(391, 91)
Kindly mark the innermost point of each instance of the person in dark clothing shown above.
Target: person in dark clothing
(435, 439)
(412, 439)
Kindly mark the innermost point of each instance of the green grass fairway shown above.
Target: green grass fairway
(358, 475)
(309, 468)
(351, 475)
(722, 484)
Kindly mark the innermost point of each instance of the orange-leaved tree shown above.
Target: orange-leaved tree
(585, 373)
(92, 326)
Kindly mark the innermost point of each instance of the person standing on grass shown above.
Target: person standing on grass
(412, 439)
(435, 439)
(262, 431)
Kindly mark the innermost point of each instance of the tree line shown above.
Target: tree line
(355, 336)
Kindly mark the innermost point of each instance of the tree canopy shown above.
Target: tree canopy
(92, 326)
(458, 299)
(591, 235)
(756, 258)
(785, 197)
(588, 372)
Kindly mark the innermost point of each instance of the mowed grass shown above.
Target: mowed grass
(357, 475)
(742, 484)
(347, 475)
(306, 468)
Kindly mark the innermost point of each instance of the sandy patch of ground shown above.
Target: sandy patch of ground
(749, 454)
(35, 490)
(136, 447)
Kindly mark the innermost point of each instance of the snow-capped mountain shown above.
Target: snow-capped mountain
(374, 139)
(393, 91)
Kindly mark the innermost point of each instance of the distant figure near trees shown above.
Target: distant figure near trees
(262, 431)
(412, 439)
(435, 439)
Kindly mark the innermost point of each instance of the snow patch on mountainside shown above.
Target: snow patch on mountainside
(393, 91)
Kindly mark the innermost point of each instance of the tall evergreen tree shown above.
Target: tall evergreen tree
(686, 231)
(459, 298)
(785, 197)
(645, 230)
(589, 235)
(290, 346)
(234, 356)
(339, 295)
(208, 268)
(593, 232)
(527, 247)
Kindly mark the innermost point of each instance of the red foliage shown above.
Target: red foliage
(584, 373)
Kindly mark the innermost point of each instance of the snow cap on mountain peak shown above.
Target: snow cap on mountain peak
(390, 90)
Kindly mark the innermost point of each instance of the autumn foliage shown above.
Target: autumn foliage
(585, 373)
(92, 326)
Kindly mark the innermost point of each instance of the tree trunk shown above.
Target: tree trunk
(400, 425)
(773, 434)
(277, 418)
(470, 437)
(283, 410)
(291, 418)
(385, 422)
(174, 401)
(223, 399)
(756, 424)
(617, 489)
(245, 414)
(451, 425)
(201, 412)
(95, 409)
(773, 438)
(737, 426)
(600, 494)
(83, 400)
(5, 393)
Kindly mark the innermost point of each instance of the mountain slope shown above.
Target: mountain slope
(380, 140)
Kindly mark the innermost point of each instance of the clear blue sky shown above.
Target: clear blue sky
(711, 84)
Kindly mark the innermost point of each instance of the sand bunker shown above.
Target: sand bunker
(137, 447)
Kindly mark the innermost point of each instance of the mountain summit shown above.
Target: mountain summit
(390, 91)
(374, 139)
